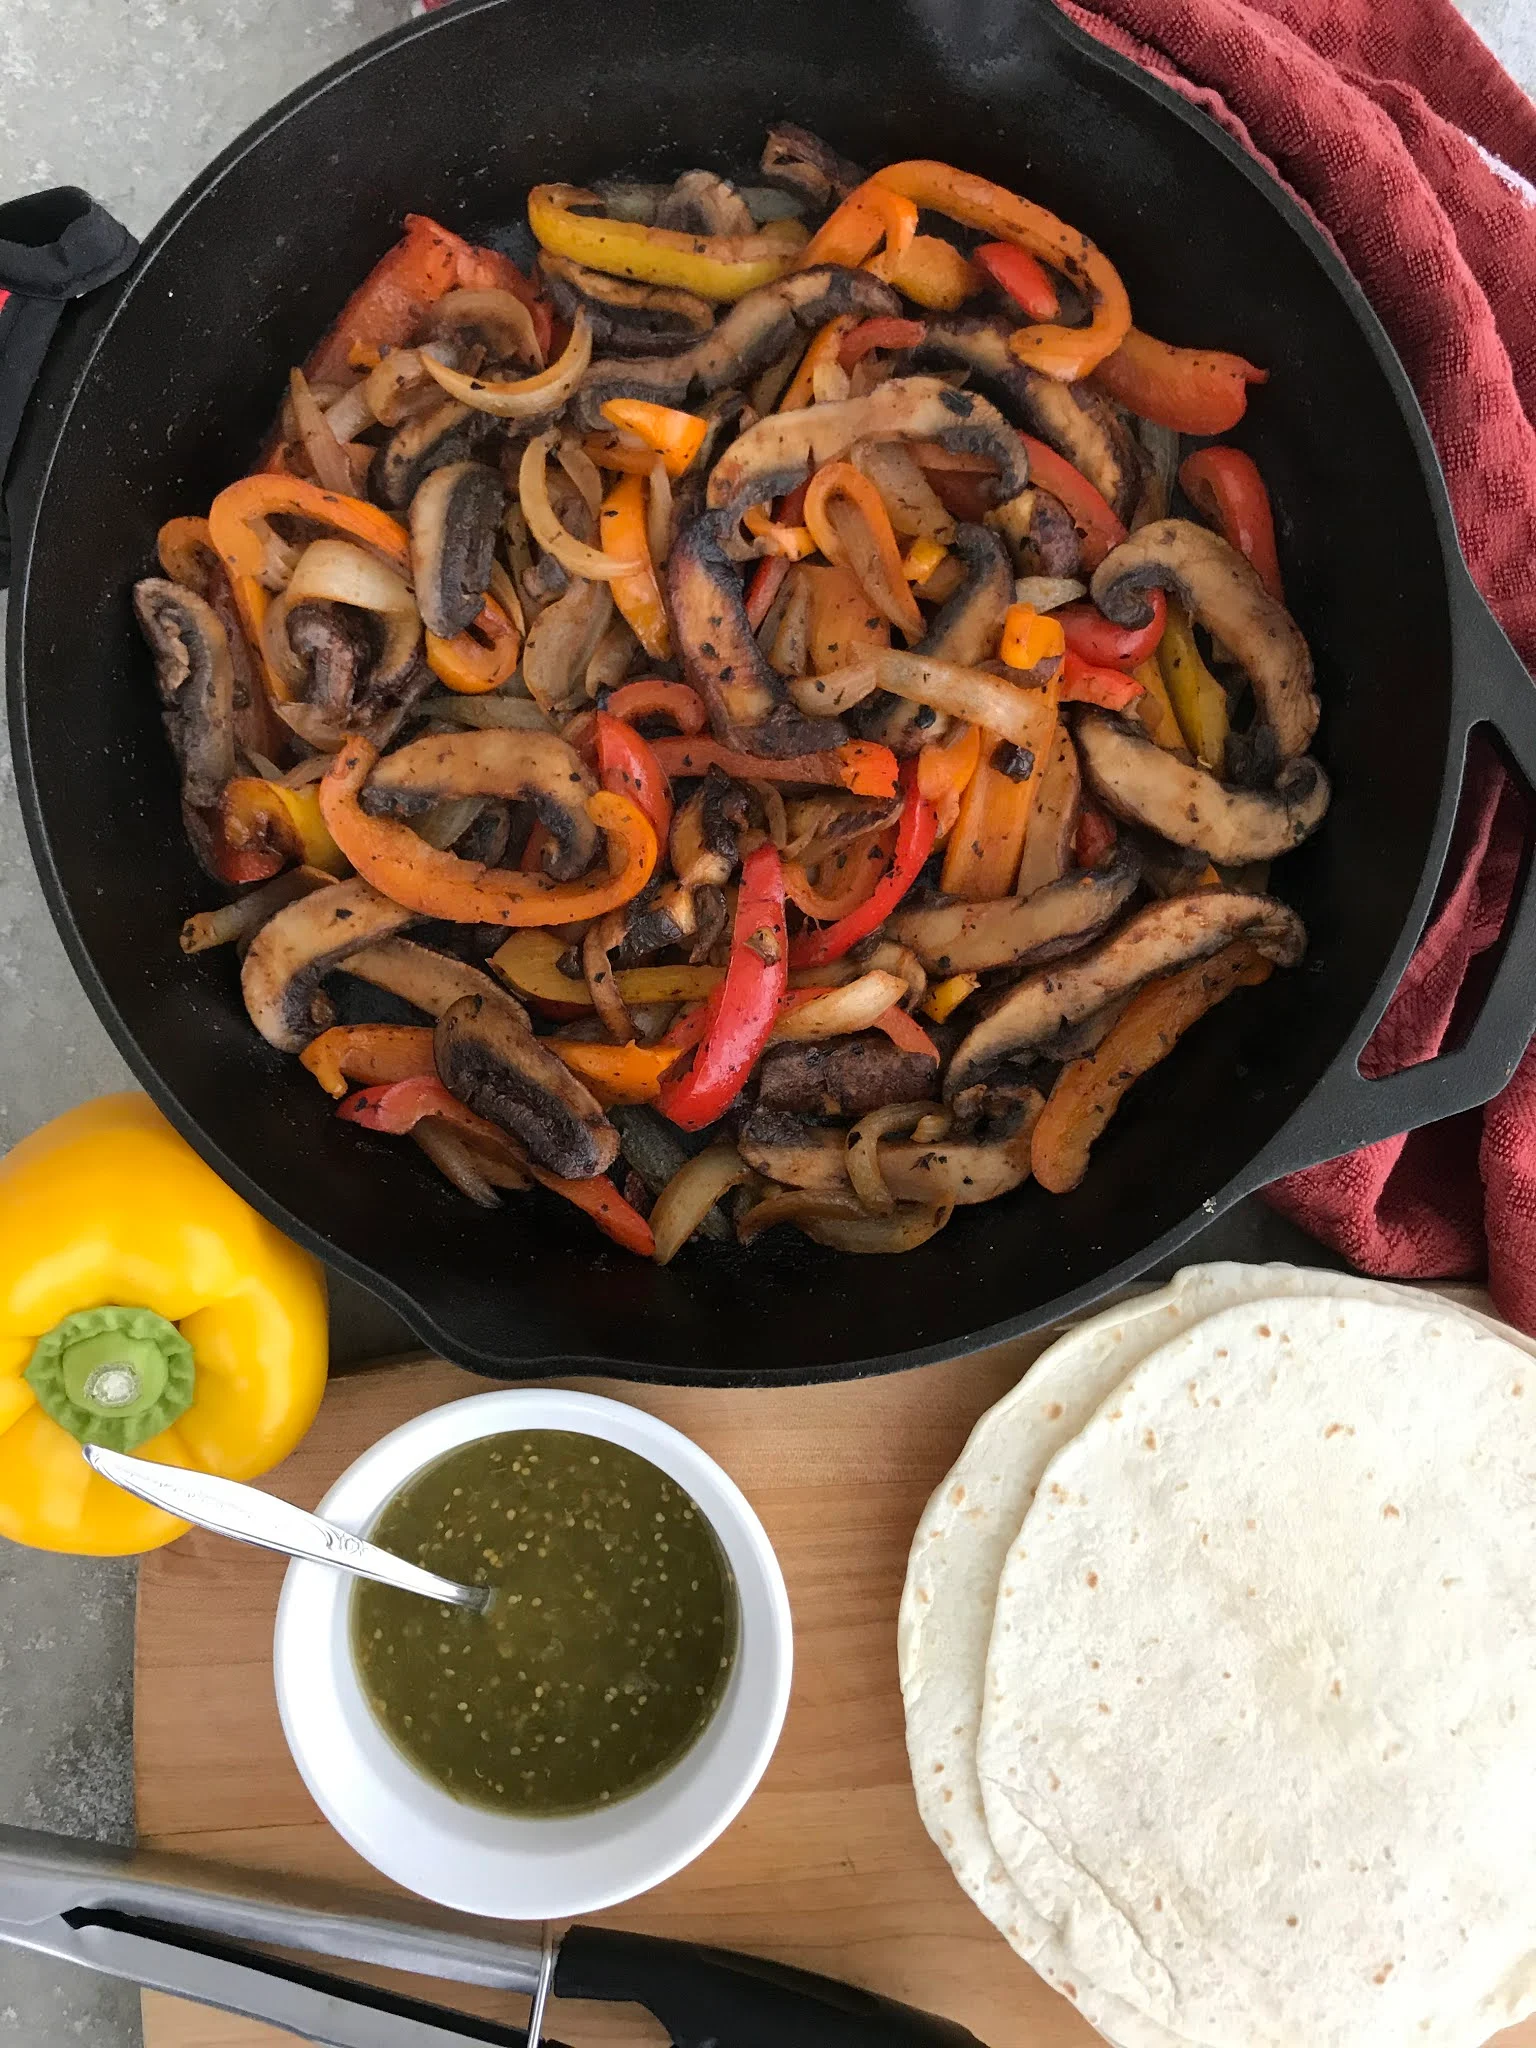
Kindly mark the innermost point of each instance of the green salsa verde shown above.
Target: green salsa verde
(605, 1652)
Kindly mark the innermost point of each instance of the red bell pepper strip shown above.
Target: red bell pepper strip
(601, 1200)
(905, 1032)
(1192, 390)
(1025, 280)
(885, 332)
(649, 697)
(756, 977)
(1110, 688)
(396, 1107)
(1094, 837)
(1224, 484)
(915, 834)
(862, 766)
(1102, 644)
(628, 766)
(763, 586)
(1087, 508)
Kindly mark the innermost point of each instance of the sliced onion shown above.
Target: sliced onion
(391, 384)
(790, 652)
(862, 1151)
(969, 693)
(305, 772)
(527, 398)
(446, 1149)
(468, 312)
(690, 1194)
(495, 711)
(912, 1224)
(504, 590)
(903, 962)
(799, 1205)
(277, 556)
(610, 660)
(448, 820)
(572, 554)
(1048, 593)
(771, 797)
(842, 1010)
(658, 514)
(602, 984)
(582, 471)
(1162, 469)
(933, 1128)
(326, 455)
(829, 384)
(241, 919)
(351, 414)
(338, 572)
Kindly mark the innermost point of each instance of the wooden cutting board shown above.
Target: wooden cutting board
(828, 1866)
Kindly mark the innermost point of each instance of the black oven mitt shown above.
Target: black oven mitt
(54, 246)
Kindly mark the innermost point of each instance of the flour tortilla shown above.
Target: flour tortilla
(1258, 1737)
(957, 1559)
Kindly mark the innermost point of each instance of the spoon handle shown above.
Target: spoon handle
(251, 1516)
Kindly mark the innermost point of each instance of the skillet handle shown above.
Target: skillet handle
(1493, 687)
(54, 247)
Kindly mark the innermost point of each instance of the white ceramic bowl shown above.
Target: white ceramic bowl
(464, 1856)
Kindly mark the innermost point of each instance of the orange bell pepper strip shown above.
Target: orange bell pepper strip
(915, 832)
(1089, 510)
(981, 861)
(186, 550)
(863, 766)
(649, 697)
(628, 766)
(1030, 637)
(609, 452)
(675, 436)
(601, 1200)
(1192, 390)
(843, 881)
(369, 1053)
(284, 825)
(1224, 484)
(904, 1032)
(934, 275)
(794, 543)
(944, 768)
(1082, 682)
(401, 865)
(622, 530)
(848, 520)
(824, 349)
(843, 621)
(617, 1073)
(872, 214)
(236, 522)
(1063, 352)
(1089, 1090)
(764, 585)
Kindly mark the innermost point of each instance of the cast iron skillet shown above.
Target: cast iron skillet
(167, 388)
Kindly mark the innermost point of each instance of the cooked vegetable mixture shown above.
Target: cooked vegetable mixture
(768, 691)
(605, 1653)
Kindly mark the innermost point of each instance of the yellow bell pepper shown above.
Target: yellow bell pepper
(1199, 702)
(716, 267)
(146, 1307)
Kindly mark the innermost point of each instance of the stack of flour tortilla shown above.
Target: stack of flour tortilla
(1218, 1650)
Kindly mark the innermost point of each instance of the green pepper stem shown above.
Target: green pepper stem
(113, 1376)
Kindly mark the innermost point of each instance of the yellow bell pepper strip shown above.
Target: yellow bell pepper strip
(1155, 709)
(617, 1074)
(401, 865)
(1030, 637)
(922, 558)
(947, 996)
(842, 622)
(237, 523)
(622, 530)
(862, 766)
(276, 825)
(1192, 390)
(934, 275)
(1088, 1091)
(1199, 702)
(872, 214)
(529, 963)
(944, 770)
(981, 860)
(369, 1053)
(715, 267)
(825, 344)
(848, 520)
(143, 1306)
(915, 832)
(1063, 352)
(675, 436)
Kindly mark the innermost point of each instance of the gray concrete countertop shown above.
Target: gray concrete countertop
(131, 101)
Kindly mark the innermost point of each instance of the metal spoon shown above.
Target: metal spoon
(250, 1516)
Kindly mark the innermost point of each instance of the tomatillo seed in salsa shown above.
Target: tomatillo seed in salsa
(605, 1652)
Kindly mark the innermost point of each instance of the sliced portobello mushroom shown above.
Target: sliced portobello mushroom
(843, 1076)
(1158, 939)
(1041, 534)
(699, 203)
(448, 432)
(419, 975)
(455, 517)
(627, 319)
(1146, 785)
(705, 831)
(1075, 420)
(537, 767)
(966, 629)
(662, 915)
(956, 1171)
(655, 1150)
(488, 1058)
(195, 677)
(795, 160)
(494, 322)
(1020, 931)
(295, 949)
(747, 698)
(753, 333)
(781, 451)
(1223, 592)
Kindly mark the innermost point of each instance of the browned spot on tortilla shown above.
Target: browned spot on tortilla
(1291, 1920)
(1518, 1389)
(1053, 1411)
(1150, 1440)
(1339, 1429)
(1103, 1706)
(1157, 1902)
(1337, 1690)
(1265, 1331)
(956, 1495)
(1391, 1514)
(1222, 1353)
(1093, 1578)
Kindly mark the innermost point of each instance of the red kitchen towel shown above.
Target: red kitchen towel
(1398, 130)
